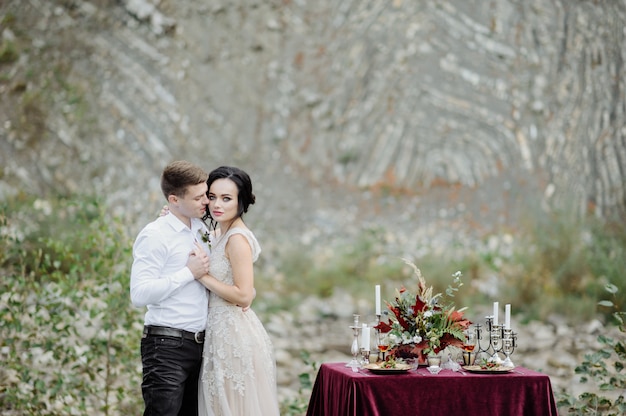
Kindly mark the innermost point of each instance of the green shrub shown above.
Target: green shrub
(298, 405)
(322, 269)
(8, 52)
(69, 339)
(561, 262)
(605, 369)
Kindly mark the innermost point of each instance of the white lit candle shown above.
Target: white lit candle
(495, 312)
(507, 316)
(377, 300)
(365, 337)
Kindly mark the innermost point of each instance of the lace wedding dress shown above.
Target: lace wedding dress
(238, 376)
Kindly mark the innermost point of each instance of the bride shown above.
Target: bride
(238, 375)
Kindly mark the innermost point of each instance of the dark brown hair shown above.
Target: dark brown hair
(243, 182)
(179, 175)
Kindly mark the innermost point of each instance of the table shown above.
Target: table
(340, 391)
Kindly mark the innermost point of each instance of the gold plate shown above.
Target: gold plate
(398, 369)
(495, 370)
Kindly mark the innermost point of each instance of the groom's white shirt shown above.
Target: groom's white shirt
(160, 278)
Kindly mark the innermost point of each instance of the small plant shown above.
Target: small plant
(298, 405)
(605, 368)
(8, 52)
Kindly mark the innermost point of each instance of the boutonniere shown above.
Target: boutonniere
(205, 237)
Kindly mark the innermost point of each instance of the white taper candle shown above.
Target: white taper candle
(507, 316)
(365, 337)
(496, 306)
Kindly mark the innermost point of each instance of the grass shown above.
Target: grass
(556, 264)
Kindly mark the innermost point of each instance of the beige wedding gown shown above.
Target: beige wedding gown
(238, 376)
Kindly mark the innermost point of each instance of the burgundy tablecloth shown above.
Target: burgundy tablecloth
(340, 391)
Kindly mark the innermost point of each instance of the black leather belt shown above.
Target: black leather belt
(165, 331)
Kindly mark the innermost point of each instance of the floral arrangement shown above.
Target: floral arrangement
(424, 323)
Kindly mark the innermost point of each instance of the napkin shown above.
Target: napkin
(450, 364)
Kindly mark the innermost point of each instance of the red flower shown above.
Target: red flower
(447, 340)
(383, 327)
(398, 313)
(419, 305)
(410, 351)
(456, 316)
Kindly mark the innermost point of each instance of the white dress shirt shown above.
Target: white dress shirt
(159, 276)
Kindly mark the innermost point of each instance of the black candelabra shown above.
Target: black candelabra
(491, 341)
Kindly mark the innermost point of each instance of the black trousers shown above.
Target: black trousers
(171, 367)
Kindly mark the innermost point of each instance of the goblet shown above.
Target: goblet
(496, 342)
(365, 357)
(382, 342)
(468, 348)
(508, 346)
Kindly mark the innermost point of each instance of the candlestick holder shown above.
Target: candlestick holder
(508, 346)
(354, 349)
(500, 340)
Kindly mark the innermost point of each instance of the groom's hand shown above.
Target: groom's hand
(198, 262)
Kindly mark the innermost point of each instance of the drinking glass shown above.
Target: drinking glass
(508, 348)
(468, 348)
(382, 341)
(470, 341)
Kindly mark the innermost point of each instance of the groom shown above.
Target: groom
(163, 278)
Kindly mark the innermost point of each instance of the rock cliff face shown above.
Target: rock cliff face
(321, 101)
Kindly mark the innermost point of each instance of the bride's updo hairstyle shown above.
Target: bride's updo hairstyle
(243, 182)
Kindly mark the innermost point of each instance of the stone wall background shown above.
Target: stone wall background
(407, 96)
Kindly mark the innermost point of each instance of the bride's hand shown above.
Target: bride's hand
(245, 308)
(164, 211)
